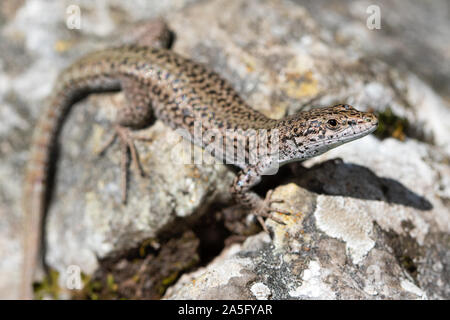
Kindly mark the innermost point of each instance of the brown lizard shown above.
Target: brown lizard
(159, 83)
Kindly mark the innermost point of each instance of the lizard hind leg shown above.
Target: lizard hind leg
(136, 113)
(154, 33)
(126, 140)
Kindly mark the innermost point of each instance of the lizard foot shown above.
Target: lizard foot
(265, 210)
(126, 141)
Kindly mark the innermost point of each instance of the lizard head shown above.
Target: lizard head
(310, 133)
(339, 124)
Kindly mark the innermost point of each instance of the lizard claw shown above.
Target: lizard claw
(266, 211)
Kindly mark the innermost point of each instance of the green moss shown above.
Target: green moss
(390, 125)
(48, 287)
(91, 289)
(110, 284)
(170, 279)
(173, 277)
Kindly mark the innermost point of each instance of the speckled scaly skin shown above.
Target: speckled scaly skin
(159, 83)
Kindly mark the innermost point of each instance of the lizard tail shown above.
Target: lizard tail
(41, 165)
(73, 84)
(35, 188)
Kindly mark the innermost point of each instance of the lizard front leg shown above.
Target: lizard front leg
(241, 191)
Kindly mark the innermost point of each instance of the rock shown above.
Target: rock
(426, 58)
(374, 225)
(226, 277)
(340, 246)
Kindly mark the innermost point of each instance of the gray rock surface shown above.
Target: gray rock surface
(373, 226)
(340, 244)
(407, 39)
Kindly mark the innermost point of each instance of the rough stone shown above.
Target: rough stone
(342, 246)
(374, 225)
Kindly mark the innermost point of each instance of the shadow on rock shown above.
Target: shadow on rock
(334, 177)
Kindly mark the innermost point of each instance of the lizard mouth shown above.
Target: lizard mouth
(349, 134)
(358, 133)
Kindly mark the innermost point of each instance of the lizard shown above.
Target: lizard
(160, 84)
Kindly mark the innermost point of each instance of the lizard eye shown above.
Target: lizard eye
(332, 122)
